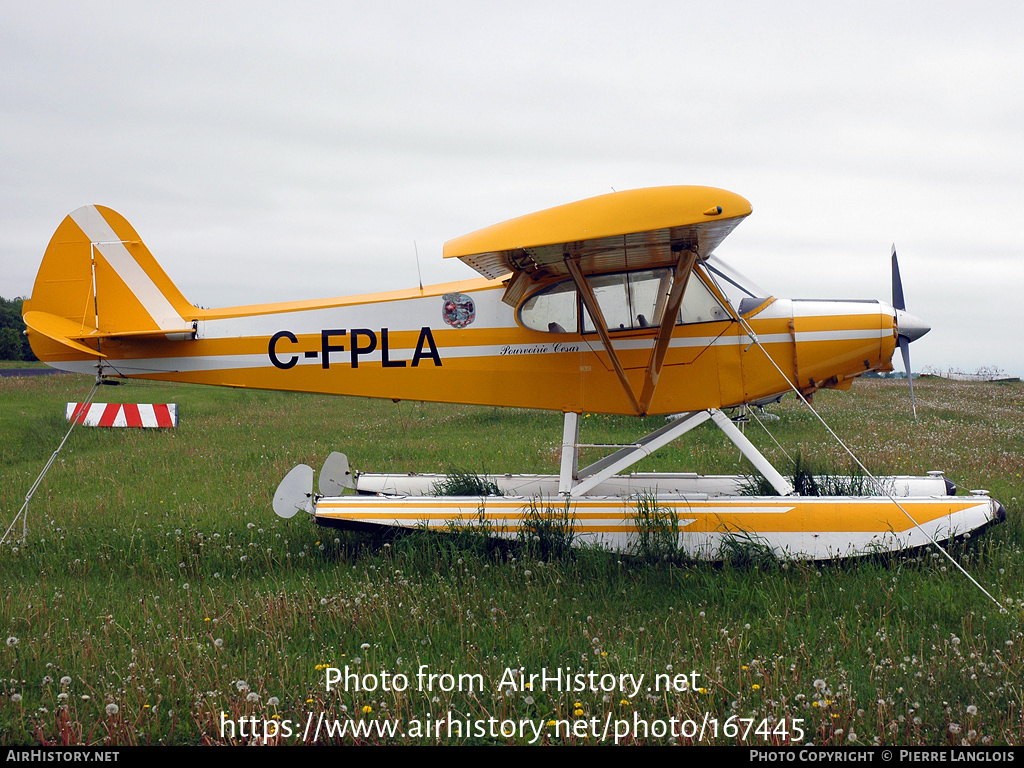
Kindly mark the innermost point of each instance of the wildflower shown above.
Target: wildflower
(367, 709)
(16, 698)
(253, 697)
(112, 709)
(819, 684)
(219, 642)
(756, 687)
(273, 701)
(972, 710)
(12, 641)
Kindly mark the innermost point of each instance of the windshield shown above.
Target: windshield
(734, 285)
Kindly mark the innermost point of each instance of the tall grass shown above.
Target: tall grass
(157, 593)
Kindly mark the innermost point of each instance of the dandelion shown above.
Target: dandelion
(273, 701)
(253, 697)
(16, 698)
(972, 710)
(219, 642)
(819, 684)
(12, 641)
(112, 709)
(364, 646)
(367, 709)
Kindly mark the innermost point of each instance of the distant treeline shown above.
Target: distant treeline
(13, 341)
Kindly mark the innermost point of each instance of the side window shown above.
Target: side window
(552, 310)
(612, 294)
(628, 301)
(699, 304)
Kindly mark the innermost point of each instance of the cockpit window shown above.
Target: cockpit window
(734, 285)
(628, 301)
(553, 310)
(699, 304)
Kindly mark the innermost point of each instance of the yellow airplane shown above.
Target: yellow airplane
(614, 304)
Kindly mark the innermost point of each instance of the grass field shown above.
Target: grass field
(157, 597)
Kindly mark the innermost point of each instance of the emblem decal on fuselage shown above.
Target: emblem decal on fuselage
(458, 310)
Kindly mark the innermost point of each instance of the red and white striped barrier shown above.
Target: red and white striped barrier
(123, 414)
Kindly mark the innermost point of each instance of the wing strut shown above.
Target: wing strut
(684, 268)
(590, 302)
(687, 258)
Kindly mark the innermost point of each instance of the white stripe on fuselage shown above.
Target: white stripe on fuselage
(107, 242)
(287, 350)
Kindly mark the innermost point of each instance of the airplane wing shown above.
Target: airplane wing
(634, 229)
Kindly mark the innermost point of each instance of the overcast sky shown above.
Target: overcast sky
(298, 151)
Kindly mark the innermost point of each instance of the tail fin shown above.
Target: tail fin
(98, 280)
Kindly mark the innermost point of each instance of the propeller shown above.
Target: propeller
(908, 327)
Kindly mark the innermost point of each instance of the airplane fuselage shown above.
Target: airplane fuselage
(459, 342)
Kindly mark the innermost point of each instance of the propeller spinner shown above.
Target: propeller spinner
(908, 327)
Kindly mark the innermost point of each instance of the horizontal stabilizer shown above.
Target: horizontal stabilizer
(61, 330)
